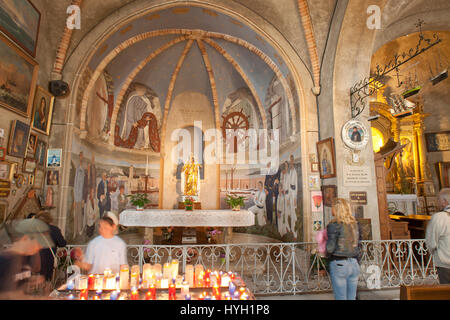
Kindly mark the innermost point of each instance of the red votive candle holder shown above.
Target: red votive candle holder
(83, 294)
(91, 282)
(216, 292)
(172, 292)
(134, 295)
(151, 293)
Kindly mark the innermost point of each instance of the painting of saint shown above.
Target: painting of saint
(327, 162)
(42, 110)
(138, 102)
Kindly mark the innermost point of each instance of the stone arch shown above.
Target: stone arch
(78, 60)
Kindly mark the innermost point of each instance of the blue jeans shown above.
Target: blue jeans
(344, 278)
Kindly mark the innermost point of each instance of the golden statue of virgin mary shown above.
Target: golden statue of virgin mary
(191, 175)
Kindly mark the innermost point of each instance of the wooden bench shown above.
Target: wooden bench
(428, 292)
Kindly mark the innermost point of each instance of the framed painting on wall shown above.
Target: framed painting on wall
(2, 153)
(41, 152)
(19, 20)
(52, 178)
(31, 147)
(54, 158)
(29, 165)
(329, 195)
(42, 111)
(39, 177)
(18, 139)
(327, 159)
(438, 141)
(18, 76)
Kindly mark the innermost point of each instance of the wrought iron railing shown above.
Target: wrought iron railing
(288, 268)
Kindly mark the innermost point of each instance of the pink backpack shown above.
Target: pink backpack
(321, 238)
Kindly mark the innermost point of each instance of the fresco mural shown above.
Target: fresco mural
(221, 83)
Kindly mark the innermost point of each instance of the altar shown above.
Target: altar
(181, 218)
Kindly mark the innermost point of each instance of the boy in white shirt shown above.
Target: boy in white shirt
(107, 250)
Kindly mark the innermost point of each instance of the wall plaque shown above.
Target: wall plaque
(358, 197)
(357, 176)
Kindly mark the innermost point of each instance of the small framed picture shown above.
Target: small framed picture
(32, 144)
(54, 158)
(29, 166)
(2, 153)
(329, 195)
(19, 179)
(327, 159)
(41, 152)
(7, 170)
(18, 139)
(42, 111)
(314, 167)
(52, 178)
(39, 177)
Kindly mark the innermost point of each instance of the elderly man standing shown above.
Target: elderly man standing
(438, 237)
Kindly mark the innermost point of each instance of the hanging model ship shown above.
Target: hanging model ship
(435, 79)
(400, 106)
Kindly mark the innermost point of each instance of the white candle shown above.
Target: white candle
(134, 278)
(174, 268)
(184, 288)
(165, 283)
(190, 274)
(146, 275)
(124, 277)
(157, 268)
(167, 271)
(225, 280)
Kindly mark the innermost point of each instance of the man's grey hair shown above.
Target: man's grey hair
(444, 194)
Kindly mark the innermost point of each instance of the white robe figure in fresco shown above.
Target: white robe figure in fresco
(281, 202)
(139, 102)
(287, 201)
(292, 195)
(78, 202)
(259, 209)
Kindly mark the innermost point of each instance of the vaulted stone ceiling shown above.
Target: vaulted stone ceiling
(195, 49)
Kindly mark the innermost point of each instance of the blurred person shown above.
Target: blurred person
(106, 250)
(437, 237)
(342, 247)
(48, 255)
(26, 238)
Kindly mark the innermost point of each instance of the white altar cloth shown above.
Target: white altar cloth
(182, 218)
